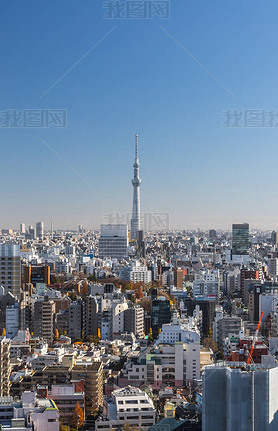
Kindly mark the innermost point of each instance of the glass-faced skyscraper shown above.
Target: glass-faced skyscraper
(135, 219)
(240, 241)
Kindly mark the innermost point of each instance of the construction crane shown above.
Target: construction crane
(255, 339)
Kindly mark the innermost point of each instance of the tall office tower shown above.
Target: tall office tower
(31, 233)
(135, 220)
(5, 366)
(51, 228)
(40, 229)
(239, 400)
(178, 278)
(240, 240)
(22, 228)
(81, 228)
(212, 233)
(113, 241)
(10, 268)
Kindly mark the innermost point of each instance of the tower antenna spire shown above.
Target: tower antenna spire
(136, 146)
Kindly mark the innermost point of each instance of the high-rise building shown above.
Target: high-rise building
(25, 307)
(274, 237)
(207, 306)
(118, 316)
(113, 241)
(22, 228)
(10, 268)
(81, 228)
(43, 320)
(212, 233)
(75, 319)
(134, 321)
(178, 278)
(40, 229)
(246, 274)
(36, 274)
(12, 320)
(6, 300)
(238, 399)
(31, 233)
(92, 374)
(90, 317)
(273, 267)
(136, 181)
(5, 366)
(240, 239)
(161, 312)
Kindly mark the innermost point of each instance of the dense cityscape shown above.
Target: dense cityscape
(134, 326)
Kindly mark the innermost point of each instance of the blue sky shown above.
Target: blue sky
(139, 78)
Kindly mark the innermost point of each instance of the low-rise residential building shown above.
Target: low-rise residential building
(30, 413)
(66, 397)
(127, 405)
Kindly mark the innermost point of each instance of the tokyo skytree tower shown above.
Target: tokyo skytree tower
(136, 181)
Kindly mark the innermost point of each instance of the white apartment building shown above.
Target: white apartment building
(136, 273)
(166, 364)
(29, 413)
(207, 283)
(127, 405)
(12, 320)
(118, 316)
(178, 332)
